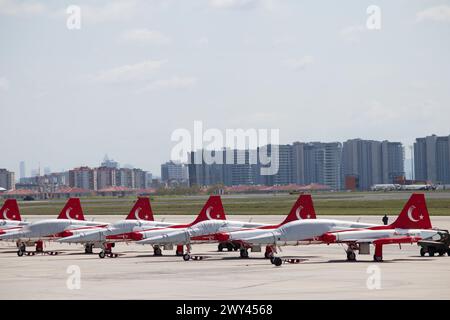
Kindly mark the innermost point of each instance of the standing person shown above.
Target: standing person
(385, 220)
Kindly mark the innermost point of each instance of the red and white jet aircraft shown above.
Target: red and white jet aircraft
(412, 224)
(139, 218)
(70, 220)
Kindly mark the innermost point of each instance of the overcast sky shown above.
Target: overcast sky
(138, 70)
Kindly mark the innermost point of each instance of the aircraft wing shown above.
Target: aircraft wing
(382, 241)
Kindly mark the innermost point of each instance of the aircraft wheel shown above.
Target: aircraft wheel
(157, 251)
(431, 252)
(220, 247)
(20, 253)
(377, 258)
(448, 252)
(186, 257)
(422, 252)
(102, 254)
(244, 253)
(272, 259)
(277, 261)
(22, 247)
(351, 256)
(441, 253)
(230, 246)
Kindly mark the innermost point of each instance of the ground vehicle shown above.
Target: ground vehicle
(432, 247)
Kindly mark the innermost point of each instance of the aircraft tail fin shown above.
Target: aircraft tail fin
(302, 209)
(10, 210)
(212, 210)
(72, 210)
(414, 214)
(141, 210)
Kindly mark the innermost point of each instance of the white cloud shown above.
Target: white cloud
(172, 83)
(21, 8)
(299, 63)
(112, 11)
(145, 36)
(353, 33)
(4, 84)
(240, 4)
(131, 72)
(438, 13)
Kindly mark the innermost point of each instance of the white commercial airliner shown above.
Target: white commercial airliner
(10, 218)
(70, 221)
(208, 223)
(412, 225)
(210, 230)
(139, 218)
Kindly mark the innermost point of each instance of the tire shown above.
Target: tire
(157, 252)
(441, 253)
(422, 252)
(220, 247)
(102, 254)
(272, 259)
(23, 247)
(431, 253)
(277, 261)
(186, 257)
(230, 247)
(20, 253)
(377, 258)
(244, 253)
(351, 256)
(268, 255)
(448, 252)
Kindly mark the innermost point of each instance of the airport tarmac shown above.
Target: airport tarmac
(323, 272)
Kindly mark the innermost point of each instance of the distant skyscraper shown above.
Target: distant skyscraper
(7, 179)
(368, 162)
(84, 178)
(432, 159)
(22, 170)
(171, 171)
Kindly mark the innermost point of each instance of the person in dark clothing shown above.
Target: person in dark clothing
(385, 219)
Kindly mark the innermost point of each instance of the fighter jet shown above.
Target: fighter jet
(70, 220)
(139, 218)
(412, 224)
(408, 228)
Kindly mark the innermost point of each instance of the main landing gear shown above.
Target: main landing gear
(243, 253)
(89, 248)
(276, 261)
(268, 254)
(157, 251)
(179, 251)
(107, 251)
(22, 249)
(378, 256)
(228, 245)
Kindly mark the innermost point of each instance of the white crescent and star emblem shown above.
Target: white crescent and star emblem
(297, 212)
(68, 212)
(410, 217)
(208, 213)
(5, 214)
(136, 213)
